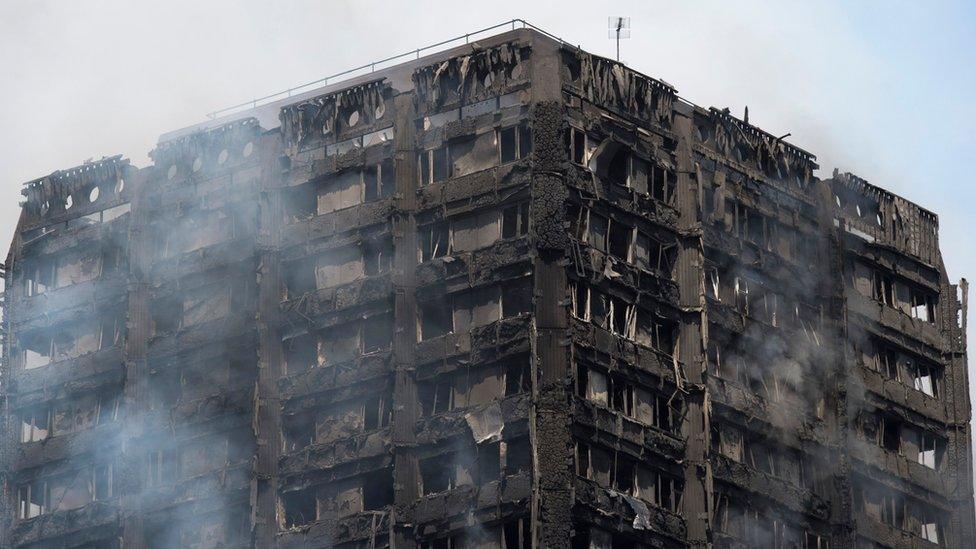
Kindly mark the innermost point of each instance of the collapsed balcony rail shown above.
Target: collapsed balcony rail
(349, 73)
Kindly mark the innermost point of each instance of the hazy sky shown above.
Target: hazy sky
(880, 88)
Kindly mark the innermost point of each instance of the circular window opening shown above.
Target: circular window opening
(380, 110)
(702, 132)
(69, 202)
(517, 72)
(171, 173)
(120, 186)
(742, 152)
(197, 164)
(222, 157)
(353, 118)
(248, 149)
(93, 194)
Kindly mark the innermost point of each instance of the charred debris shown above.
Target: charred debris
(510, 295)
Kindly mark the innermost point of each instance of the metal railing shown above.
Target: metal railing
(371, 67)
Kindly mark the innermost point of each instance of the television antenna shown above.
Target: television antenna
(619, 27)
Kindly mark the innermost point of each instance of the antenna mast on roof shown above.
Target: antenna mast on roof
(619, 27)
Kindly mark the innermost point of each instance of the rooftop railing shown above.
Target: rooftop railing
(382, 63)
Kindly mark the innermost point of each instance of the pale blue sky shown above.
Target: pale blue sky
(883, 89)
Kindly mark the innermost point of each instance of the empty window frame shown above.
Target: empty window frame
(927, 523)
(437, 396)
(930, 449)
(342, 343)
(70, 341)
(298, 507)
(662, 184)
(297, 431)
(517, 534)
(435, 240)
(379, 180)
(76, 268)
(196, 230)
(377, 258)
(924, 376)
(35, 424)
(619, 238)
(373, 138)
(729, 442)
(514, 143)
(815, 541)
(883, 288)
(36, 351)
(515, 220)
(657, 333)
(652, 255)
(890, 363)
(746, 223)
(517, 297)
(881, 429)
(922, 305)
(42, 274)
(165, 315)
(609, 312)
(628, 244)
(881, 504)
(597, 231)
(475, 230)
(299, 202)
(341, 266)
(913, 301)
(66, 491)
(439, 474)
(352, 417)
(713, 283)
(628, 398)
(298, 278)
(723, 362)
(161, 467)
(478, 307)
(746, 524)
(576, 145)
(435, 165)
(377, 334)
(377, 412)
(32, 499)
(468, 387)
(300, 353)
(751, 225)
(645, 177)
(622, 473)
(436, 318)
(38, 276)
(343, 190)
(517, 456)
(518, 377)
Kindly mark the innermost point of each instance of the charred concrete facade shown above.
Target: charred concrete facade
(510, 295)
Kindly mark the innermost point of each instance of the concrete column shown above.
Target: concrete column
(405, 401)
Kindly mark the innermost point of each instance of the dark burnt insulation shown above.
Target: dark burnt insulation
(510, 295)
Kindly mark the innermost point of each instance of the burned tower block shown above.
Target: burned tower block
(509, 295)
